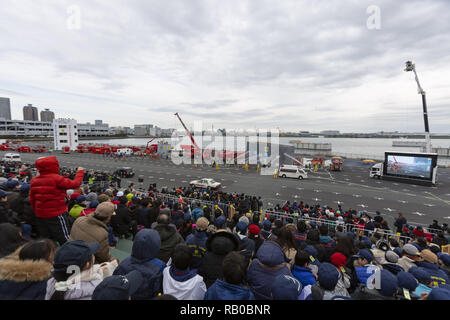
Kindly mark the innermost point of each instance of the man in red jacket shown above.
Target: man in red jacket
(48, 199)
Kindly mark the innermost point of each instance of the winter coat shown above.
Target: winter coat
(121, 221)
(394, 268)
(145, 249)
(299, 238)
(246, 247)
(364, 293)
(197, 242)
(80, 288)
(48, 189)
(364, 273)
(23, 279)
(76, 211)
(90, 229)
(319, 293)
(399, 222)
(21, 205)
(304, 275)
(406, 263)
(221, 290)
(183, 285)
(169, 240)
(438, 276)
(143, 217)
(8, 215)
(270, 262)
(217, 247)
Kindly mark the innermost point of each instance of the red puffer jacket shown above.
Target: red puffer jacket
(48, 190)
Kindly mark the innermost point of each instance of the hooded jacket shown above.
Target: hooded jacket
(364, 293)
(23, 279)
(80, 288)
(145, 249)
(269, 263)
(48, 189)
(169, 240)
(304, 275)
(187, 285)
(393, 267)
(121, 221)
(218, 246)
(197, 242)
(221, 290)
(90, 229)
(438, 276)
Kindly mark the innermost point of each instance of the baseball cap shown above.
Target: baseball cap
(444, 257)
(24, 187)
(365, 254)
(93, 204)
(4, 194)
(103, 198)
(202, 224)
(267, 224)
(286, 287)
(429, 256)
(105, 209)
(407, 281)
(81, 198)
(241, 226)
(420, 274)
(12, 183)
(388, 282)
(410, 250)
(74, 253)
(220, 221)
(254, 229)
(118, 287)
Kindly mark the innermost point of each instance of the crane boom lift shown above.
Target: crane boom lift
(188, 132)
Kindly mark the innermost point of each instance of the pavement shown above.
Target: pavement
(351, 188)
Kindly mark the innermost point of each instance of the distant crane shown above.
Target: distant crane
(188, 132)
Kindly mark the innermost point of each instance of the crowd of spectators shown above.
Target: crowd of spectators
(191, 244)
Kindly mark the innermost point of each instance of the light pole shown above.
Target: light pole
(410, 66)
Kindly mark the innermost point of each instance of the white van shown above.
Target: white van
(291, 171)
(124, 151)
(12, 157)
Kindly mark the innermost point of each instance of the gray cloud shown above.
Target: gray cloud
(294, 64)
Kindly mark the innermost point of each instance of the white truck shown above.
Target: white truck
(376, 171)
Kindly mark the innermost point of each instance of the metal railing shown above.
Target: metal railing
(347, 227)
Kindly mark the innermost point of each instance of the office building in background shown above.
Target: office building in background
(5, 108)
(30, 113)
(47, 115)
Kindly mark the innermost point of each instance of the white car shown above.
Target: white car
(205, 183)
(14, 157)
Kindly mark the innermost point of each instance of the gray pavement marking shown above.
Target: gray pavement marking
(418, 213)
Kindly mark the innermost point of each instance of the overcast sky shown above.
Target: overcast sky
(298, 65)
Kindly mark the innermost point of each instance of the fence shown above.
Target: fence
(347, 227)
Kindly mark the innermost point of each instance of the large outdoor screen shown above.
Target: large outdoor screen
(416, 166)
